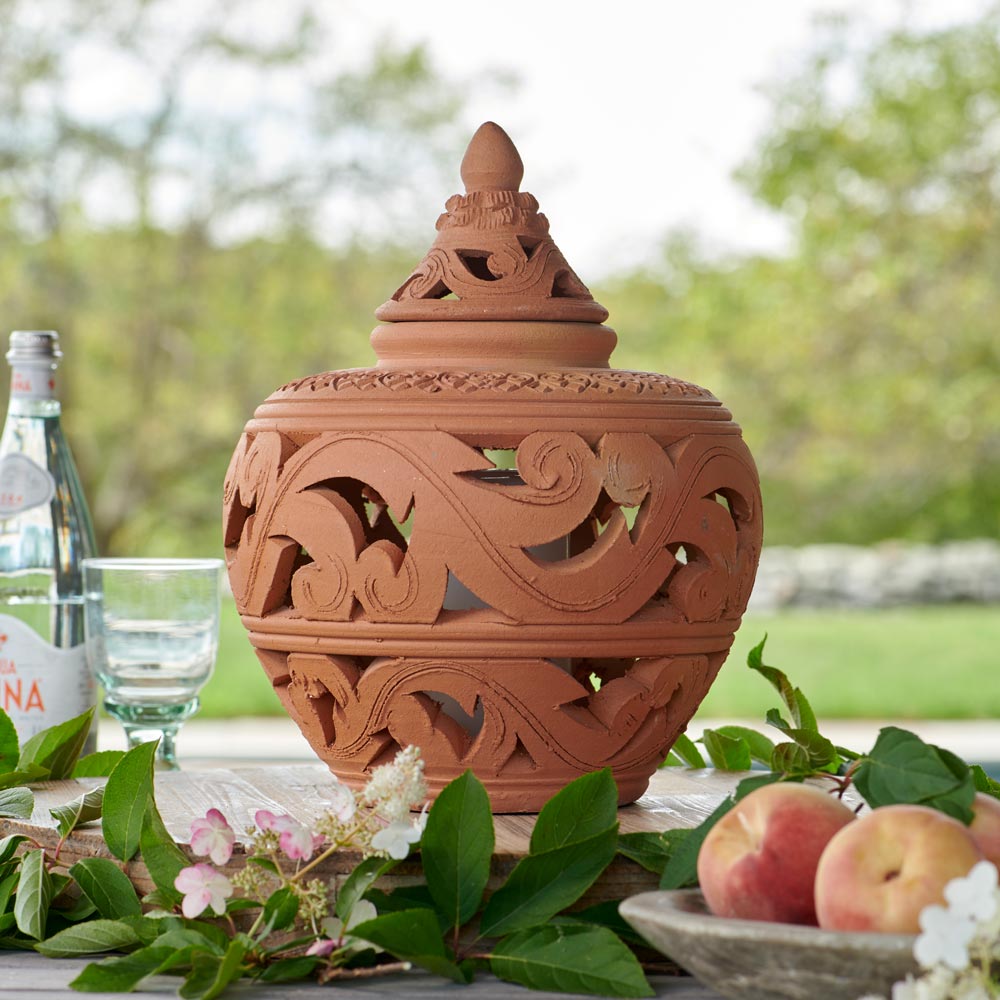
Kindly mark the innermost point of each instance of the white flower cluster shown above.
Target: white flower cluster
(377, 820)
(960, 943)
(374, 821)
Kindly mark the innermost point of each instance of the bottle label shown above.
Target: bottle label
(23, 484)
(37, 381)
(40, 684)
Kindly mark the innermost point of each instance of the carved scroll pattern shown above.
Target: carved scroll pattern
(506, 269)
(280, 501)
(353, 717)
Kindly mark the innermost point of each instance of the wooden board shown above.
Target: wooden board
(30, 976)
(676, 799)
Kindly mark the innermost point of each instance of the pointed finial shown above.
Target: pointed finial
(492, 162)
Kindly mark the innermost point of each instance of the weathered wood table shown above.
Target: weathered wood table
(675, 798)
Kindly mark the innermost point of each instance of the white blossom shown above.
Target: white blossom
(396, 838)
(394, 789)
(934, 985)
(974, 896)
(341, 803)
(945, 938)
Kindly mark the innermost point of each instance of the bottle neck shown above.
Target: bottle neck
(33, 390)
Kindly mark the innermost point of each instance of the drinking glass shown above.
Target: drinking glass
(152, 631)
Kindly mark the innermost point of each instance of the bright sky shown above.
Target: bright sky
(631, 115)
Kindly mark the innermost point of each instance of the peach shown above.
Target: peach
(985, 828)
(881, 871)
(759, 861)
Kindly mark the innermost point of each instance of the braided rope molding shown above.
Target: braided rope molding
(604, 383)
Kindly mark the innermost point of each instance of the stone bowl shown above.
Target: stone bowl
(757, 960)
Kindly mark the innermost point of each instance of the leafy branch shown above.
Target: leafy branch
(900, 768)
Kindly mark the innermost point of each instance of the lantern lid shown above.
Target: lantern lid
(494, 261)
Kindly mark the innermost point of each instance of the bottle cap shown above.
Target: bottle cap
(33, 345)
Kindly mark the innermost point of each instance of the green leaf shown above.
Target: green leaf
(107, 887)
(795, 701)
(9, 845)
(457, 846)
(570, 959)
(543, 884)
(9, 750)
(359, 882)
(266, 863)
(34, 893)
(286, 970)
(196, 934)
(984, 783)
(147, 929)
(7, 886)
(70, 910)
(727, 753)
(606, 915)
(236, 903)
(586, 807)
(903, 768)
(790, 758)
(759, 745)
(820, 753)
(88, 939)
(129, 789)
(24, 776)
(651, 850)
(686, 750)
(97, 765)
(413, 936)
(162, 857)
(407, 897)
(211, 975)
(83, 809)
(280, 911)
(681, 869)
(159, 900)
(16, 803)
(122, 975)
(57, 747)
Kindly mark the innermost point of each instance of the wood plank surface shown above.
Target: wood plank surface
(676, 798)
(29, 976)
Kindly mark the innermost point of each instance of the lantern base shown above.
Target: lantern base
(525, 726)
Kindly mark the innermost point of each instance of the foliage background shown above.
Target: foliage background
(192, 266)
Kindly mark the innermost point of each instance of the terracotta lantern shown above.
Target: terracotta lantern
(491, 544)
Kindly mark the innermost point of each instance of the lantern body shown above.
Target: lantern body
(532, 625)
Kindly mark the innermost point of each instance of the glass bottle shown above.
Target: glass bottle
(45, 533)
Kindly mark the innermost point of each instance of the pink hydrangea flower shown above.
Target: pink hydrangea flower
(212, 837)
(202, 887)
(293, 838)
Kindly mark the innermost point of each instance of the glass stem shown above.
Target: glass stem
(166, 752)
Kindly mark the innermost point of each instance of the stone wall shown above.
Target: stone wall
(885, 575)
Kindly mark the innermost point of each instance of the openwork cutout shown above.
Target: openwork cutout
(545, 543)
(484, 714)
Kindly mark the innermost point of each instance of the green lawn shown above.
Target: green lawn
(910, 663)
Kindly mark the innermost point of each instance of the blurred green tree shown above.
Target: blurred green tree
(182, 196)
(864, 364)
